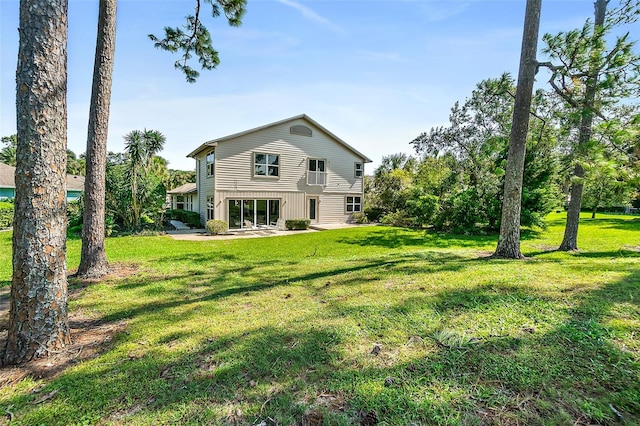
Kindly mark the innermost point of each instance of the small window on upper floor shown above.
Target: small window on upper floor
(300, 130)
(211, 159)
(358, 170)
(316, 173)
(266, 164)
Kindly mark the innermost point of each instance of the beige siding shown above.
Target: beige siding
(235, 161)
(206, 187)
(234, 172)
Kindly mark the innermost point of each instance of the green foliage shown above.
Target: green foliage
(297, 224)
(194, 38)
(217, 226)
(176, 178)
(140, 174)
(190, 218)
(8, 151)
(457, 183)
(359, 217)
(397, 218)
(6, 214)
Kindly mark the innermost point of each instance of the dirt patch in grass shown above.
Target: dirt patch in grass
(90, 336)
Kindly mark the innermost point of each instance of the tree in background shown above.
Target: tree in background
(509, 240)
(178, 178)
(38, 325)
(590, 78)
(141, 148)
(475, 143)
(608, 182)
(93, 257)
(8, 152)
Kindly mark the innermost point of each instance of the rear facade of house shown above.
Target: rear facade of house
(291, 169)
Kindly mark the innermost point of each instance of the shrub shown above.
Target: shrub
(6, 214)
(297, 224)
(359, 217)
(397, 218)
(374, 213)
(185, 216)
(216, 226)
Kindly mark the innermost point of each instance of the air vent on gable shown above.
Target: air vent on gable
(300, 130)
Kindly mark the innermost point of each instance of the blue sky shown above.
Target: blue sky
(375, 73)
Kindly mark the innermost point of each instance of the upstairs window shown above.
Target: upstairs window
(358, 170)
(317, 175)
(266, 164)
(211, 159)
(353, 204)
(300, 130)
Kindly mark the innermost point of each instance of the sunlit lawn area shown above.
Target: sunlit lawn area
(339, 327)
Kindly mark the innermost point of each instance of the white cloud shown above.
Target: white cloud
(310, 14)
(441, 11)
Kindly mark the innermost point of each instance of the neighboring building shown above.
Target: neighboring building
(184, 197)
(75, 184)
(290, 169)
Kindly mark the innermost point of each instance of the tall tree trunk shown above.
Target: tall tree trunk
(570, 239)
(509, 241)
(93, 261)
(38, 312)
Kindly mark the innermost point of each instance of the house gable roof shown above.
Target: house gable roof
(7, 176)
(187, 188)
(7, 179)
(214, 142)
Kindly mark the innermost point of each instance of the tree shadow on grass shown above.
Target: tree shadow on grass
(401, 237)
(230, 280)
(280, 371)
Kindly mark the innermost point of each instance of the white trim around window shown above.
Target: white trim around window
(352, 204)
(211, 161)
(358, 170)
(266, 165)
(317, 171)
(210, 207)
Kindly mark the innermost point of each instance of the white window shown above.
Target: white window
(266, 164)
(353, 204)
(180, 202)
(211, 159)
(209, 207)
(358, 170)
(317, 173)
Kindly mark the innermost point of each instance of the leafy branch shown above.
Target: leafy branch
(194, 38)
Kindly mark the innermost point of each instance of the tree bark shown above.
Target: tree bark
(509, 240)
(93, 260)
(570, 239)
(38, 311)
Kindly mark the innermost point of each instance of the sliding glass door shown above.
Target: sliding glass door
(248, 213)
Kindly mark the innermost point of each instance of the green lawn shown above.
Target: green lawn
(281, 330)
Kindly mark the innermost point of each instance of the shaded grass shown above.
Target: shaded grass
(277, 328)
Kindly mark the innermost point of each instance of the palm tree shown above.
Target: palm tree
(141, 147)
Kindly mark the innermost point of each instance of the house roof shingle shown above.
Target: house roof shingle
(7, 179)
(187, 188)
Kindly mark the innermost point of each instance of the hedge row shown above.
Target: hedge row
(189, 218)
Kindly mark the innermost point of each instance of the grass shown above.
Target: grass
(323, 328)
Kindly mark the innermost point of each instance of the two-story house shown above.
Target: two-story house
(290, 169)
